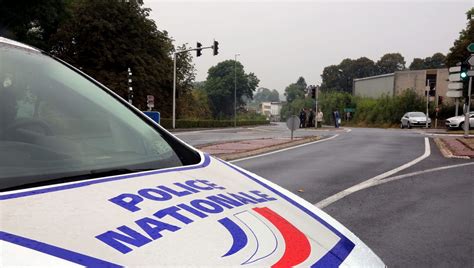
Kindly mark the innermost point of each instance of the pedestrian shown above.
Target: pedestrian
(311, 118)
(337, 118)
(319, 118)
(302, 118)
(307, 117)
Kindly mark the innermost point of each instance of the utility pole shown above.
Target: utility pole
(316, 107)
(130, 88)
(467, 114)
(235, 89)
(427, 101)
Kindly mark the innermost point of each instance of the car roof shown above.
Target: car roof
(4, 40)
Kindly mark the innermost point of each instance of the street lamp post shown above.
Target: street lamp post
(235, 89)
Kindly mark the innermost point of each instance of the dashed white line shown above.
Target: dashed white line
(371, 182)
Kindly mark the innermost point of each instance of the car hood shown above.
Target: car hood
(456, 118)
(211, 214)
(419, 118)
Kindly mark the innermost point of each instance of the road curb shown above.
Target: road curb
(262, 150)
(445, 151)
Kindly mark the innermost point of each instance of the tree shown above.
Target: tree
(105, 38)
(295, 90)
(32, 22)
(265, 94)
(417, 64)
(340, 77)
(458, 52)
(390, 63)
(219, 87)
(434, 62)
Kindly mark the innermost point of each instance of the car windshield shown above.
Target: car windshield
(57, 124)
(417, 114)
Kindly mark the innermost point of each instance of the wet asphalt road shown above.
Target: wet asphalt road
(278, 130)
(423, 220)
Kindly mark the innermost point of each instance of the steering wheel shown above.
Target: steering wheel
(26, 123)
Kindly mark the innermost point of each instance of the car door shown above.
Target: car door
(471, 120)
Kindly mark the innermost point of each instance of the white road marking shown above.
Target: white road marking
(284, 149)
(371, 182)
(422, 172)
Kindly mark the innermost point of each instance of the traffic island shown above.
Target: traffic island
(245, 148)
(456, 147)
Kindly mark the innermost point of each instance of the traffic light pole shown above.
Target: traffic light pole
(467, 122)
(174, 78)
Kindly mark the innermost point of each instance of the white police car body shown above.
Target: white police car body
(88, 180)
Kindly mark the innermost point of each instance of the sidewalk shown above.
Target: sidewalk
(456, 147)
(239, 149)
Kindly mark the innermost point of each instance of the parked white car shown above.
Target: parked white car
(87, 179)
(458, 121)
(414, 119)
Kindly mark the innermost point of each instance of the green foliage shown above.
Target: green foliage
(220, 85)
(434, 62)
(294, 107)
(385, 110)
(265, 94)
(194, 105)
(458, 52)
(390, 63)
(198, 123)
(334, 100)
(32, 22)
(105, 38)
(340, 77)
(296, 90)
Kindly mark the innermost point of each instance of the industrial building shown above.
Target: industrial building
(394, 83)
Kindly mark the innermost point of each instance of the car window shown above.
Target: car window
(417, 114)
(55, 123)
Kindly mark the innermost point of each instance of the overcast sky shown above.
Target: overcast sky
(280, 41)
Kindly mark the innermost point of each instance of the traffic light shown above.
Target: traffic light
(464, 68)
(313, 92)
(432, 88)
(198, 50)
(215, 48)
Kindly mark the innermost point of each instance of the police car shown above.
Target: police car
(88, 180)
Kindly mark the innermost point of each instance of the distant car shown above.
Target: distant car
(458, 121)
(86, 178)
(414, 119)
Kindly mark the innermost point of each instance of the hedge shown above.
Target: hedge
(190, 123)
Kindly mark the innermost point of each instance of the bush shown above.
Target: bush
(384, 111)
(192, 123)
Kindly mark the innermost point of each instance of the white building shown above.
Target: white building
(271, 110)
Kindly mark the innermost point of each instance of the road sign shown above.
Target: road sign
(454, 77)
(455, 85)
(471, 61)
(454, 94)
(293, 123)
(150, 101)
(470, 48)
(455, 69)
